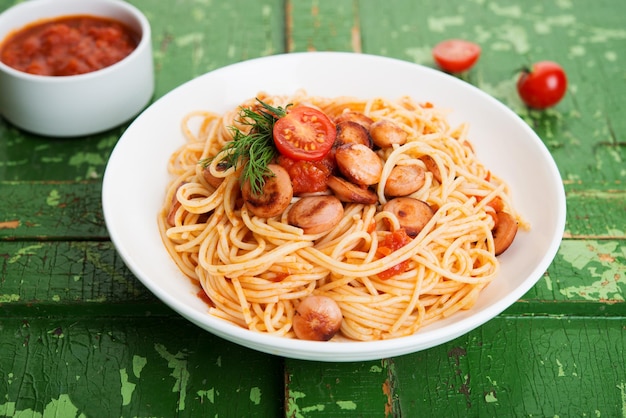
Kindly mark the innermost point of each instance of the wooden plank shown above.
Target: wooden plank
(316, 389)
(67, 209)
(587, 277)
(144, 366)
(48, 278)
(322, 26)
(504, 368)
(519, 367)
(51, 210)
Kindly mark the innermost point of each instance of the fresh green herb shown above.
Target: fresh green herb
(255, 149)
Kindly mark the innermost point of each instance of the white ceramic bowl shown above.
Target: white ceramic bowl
(67, 106)
(134, 188)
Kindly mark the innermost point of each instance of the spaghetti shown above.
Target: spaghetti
(255, 270)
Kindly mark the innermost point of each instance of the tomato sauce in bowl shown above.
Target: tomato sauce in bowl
(68, 45)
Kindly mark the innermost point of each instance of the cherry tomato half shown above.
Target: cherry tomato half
(305, 133)
(543, 86)
(456, 55)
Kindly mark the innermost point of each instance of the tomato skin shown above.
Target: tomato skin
(305, 133)
(456, 55)
(543, 86)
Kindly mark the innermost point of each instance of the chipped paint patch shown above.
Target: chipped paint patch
(419, 55)
(208, 394)
(61, 407)
(314, 408)
(622, 389)
(561, 371)
(28, 250)
(596, 260)
(490, 397)
(53, 198)
(178, 363)
(9, 298)
(127, 389)
(13, 224)
(376, 369)
(511, 11)
(138, 364)
(255, 395)
(441, 24)
(293, 410)
(346, 405)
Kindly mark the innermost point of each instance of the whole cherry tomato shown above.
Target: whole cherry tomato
(305, 133)
(456, 55)
(543, 85)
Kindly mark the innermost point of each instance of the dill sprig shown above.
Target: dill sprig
(255, 149)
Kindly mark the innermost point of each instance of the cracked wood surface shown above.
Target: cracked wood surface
(81, 336)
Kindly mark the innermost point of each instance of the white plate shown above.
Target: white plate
(136, 177)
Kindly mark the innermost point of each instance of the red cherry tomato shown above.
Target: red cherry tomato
(543, 86)
(456, 55)
(304, 133)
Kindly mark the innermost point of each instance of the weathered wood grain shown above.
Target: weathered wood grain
(85, 337)
(511, 366)
(143, 367)
(586, 276)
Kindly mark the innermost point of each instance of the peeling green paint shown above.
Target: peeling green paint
(138, 365)
(28, 250)
(314, 408)
(440, 24)
(86, 158)
(9, 298)
(178, 363)
(255, 395)
(596, 260)
(561, 372)
(490, 397)
(510, 11)
(348, 405)
(53, 198)
(61, 407)
(127, 389)
(622, 389)
(293, 410)
(376, 369)
(209, 394)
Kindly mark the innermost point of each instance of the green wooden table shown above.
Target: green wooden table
(81, 336)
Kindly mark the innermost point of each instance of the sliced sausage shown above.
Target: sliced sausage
(275, 197)
(413, 214)
(315, 214)
(386, 133)
(350, 192)
(359, 164)
(431, 166)
(357, 117)
(210, 178)
(317, 318)
(404, 180)
(349, 132)
(504, 232)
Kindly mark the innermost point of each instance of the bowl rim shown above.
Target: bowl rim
(145, 34)
(331, 351)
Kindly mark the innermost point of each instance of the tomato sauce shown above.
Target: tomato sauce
(68, 45)
(389, 244)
